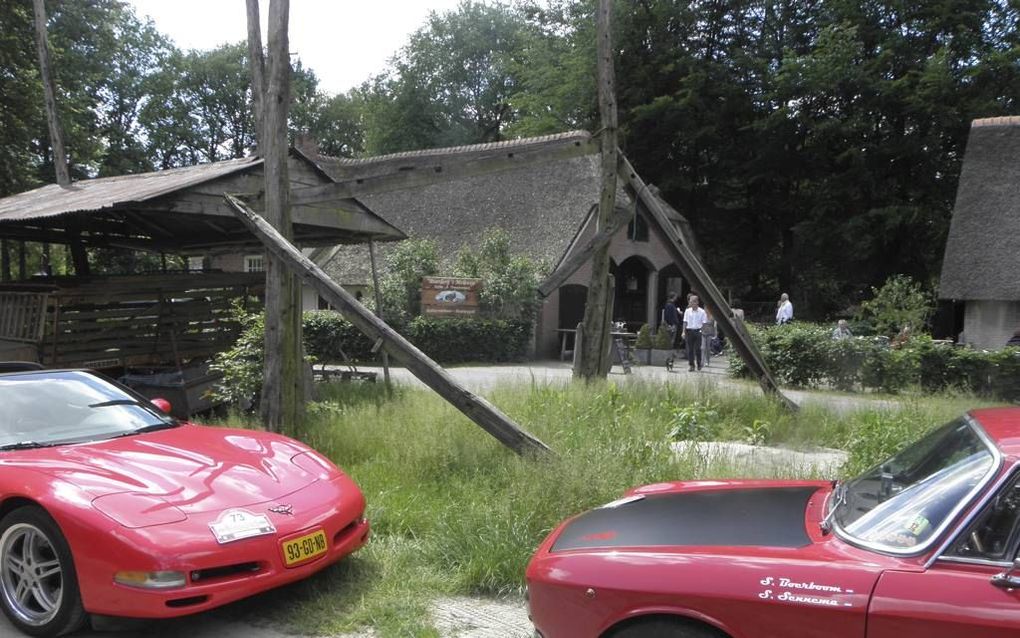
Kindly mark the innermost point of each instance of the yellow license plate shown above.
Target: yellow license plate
(304, 548)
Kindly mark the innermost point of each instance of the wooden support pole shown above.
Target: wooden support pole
(379, 311)
(593, 355)
(257, 70)
(50, 95)
(483, 413)
(5, 260)
(695, 272)
(283, 384)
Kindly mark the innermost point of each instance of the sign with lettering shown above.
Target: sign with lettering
(450, 296)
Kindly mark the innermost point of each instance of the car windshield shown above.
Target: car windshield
(903, 504)
(52, 408)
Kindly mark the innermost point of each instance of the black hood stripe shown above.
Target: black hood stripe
(769, 517)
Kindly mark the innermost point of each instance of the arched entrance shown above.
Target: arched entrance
(572, 301)
(671, 280)
(631, 302)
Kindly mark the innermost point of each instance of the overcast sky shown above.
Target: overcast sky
(343, 41)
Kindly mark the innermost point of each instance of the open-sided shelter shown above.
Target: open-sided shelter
(162, 317)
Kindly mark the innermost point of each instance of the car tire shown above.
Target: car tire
(45, 601)
(665, 628)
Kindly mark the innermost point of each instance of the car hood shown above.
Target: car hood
(771, 516)
(193, 468)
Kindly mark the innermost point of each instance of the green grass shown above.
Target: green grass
(454, 512)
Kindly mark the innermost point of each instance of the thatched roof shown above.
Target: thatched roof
(983, 250)
(542, 202)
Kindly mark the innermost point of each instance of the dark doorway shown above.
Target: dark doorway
(631, 303)
(671, 280)
(572, 300)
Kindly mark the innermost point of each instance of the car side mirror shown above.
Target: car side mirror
(162, 405)
(1009, 579)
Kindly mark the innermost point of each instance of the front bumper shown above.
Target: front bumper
(220, 574)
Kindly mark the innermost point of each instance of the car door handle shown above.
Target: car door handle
(1008, 579)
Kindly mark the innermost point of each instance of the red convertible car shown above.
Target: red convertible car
(923, 545)
(108, 506)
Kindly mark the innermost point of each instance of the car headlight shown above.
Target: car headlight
(151, 580)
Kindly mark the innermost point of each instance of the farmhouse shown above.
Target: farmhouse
(982, 255)
(545, 197)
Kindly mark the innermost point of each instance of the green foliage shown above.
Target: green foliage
(509, 281)
(878, 435)
(644, 338)
(242, 364)
(805, 355)
(329, 338)
(758, 432)
(900, 301)
(694, 422)
(459, 340)
(406, 264)
(661, 340)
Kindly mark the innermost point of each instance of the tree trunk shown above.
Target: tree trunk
(257, 66)
(596, 323)
(282, 390)
(49, 94)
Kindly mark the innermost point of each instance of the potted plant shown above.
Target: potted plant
(643, 344)
(662, 349)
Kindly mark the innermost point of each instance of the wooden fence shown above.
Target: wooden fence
(136, 320)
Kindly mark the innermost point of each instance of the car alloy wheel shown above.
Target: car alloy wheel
(38, 587)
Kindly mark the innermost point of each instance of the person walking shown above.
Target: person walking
(671, 318)
(784, 314)
(694, 320)
(707, 334)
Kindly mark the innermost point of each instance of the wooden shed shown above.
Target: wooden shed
(149, 319)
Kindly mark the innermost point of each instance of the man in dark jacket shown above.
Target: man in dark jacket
(671, 318)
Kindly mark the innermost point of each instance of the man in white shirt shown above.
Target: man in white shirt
(694, 319)
(785, 312)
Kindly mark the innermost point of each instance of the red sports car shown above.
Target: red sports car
(111, 507)
(923, 545)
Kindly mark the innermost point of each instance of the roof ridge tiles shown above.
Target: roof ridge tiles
(1005, 120)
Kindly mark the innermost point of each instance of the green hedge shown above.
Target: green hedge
(327, 334)
(804, 355)
(460, 340)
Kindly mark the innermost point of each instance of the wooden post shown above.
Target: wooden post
(5, 260)
(282, 389)
(22, 262)
(483, 413)
(50, 95)
(596, 328)
(606, 342)
(379, 312)
(257, 68)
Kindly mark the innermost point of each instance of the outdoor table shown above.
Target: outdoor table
(627, 338)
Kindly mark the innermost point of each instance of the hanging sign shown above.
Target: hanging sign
(450, 296)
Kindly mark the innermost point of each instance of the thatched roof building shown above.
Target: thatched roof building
(982, 254)
(544, 195)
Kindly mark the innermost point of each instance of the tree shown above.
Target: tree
(451, 84)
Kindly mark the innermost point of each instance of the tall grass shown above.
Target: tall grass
(453, 512)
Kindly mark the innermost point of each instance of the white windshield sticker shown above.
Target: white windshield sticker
(235, 525)
(623, 501)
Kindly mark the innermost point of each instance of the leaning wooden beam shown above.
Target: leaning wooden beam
(579, 257)
(483, 413)
(692, 269)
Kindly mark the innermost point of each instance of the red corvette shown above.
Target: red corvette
(925, 544)
(111, 507)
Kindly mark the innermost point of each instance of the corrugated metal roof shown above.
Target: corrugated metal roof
(108, 192)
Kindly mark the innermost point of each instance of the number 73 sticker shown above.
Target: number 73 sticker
(234, 525)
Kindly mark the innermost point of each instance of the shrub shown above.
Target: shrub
(509, 281)
(900, 301)
(406, 264)
(328, 337)
(661, 340)
(644, 338)
(459, 340)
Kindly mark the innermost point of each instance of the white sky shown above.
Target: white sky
(343, 41)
